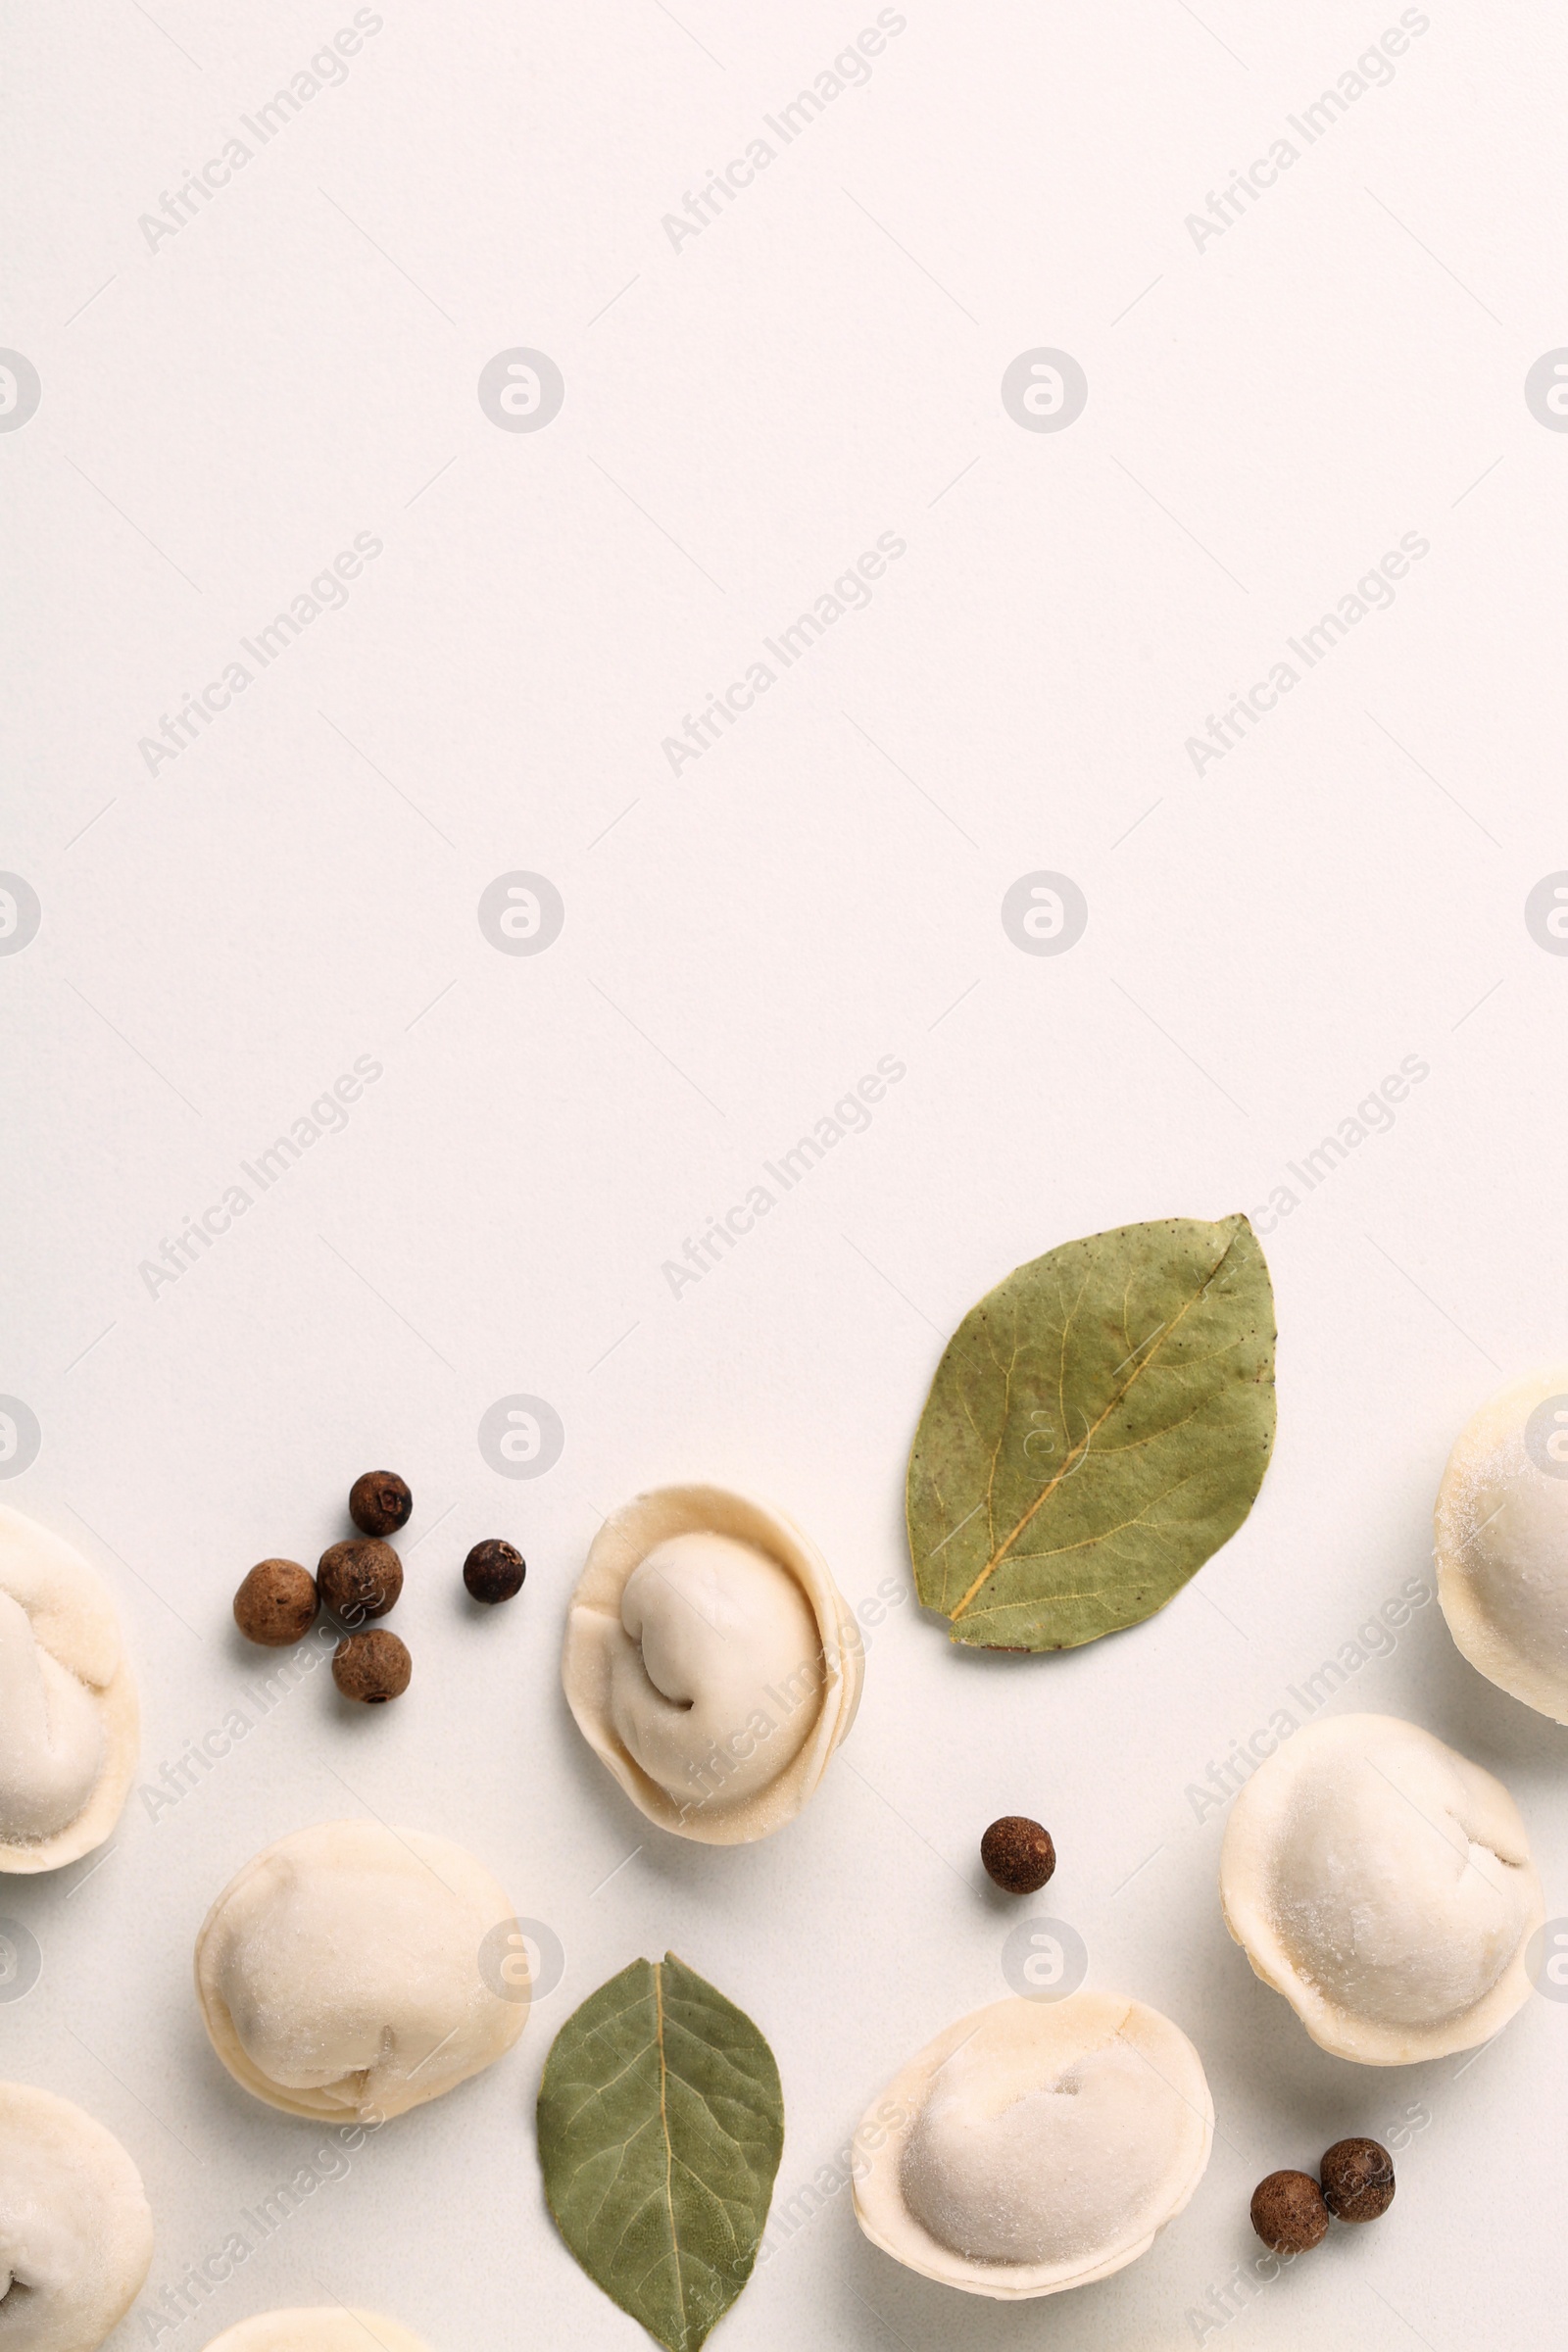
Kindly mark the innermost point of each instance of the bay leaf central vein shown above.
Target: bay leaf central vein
(1118, 1396)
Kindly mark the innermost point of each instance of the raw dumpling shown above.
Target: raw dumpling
(710, 1661)
(75, 2236)
(332, 2330)
(340, 1974)
(68, 1703)
(1384, 1885)
(1503, 1541)
(1035, 2145)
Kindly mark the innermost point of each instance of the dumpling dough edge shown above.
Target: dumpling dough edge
(329, 2327)
(475, 1879)
(1251, 1836)
(625, 1541)
(82, 1627)
(82, 2144)
(1090, 2018)
(1490, 1436)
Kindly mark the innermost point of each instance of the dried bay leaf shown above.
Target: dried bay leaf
(1099, 1425)
(660, 2127)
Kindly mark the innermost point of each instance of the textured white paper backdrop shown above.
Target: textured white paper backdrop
(1271, 409)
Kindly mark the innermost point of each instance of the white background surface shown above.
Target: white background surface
(223, 938)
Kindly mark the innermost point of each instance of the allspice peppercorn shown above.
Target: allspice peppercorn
(277, 1604)
(1289, 2213)
(359, 1579)
(1357, 2180)
(380, 1503)
(1018, 1855)
(371, 1668)
(493, 1571)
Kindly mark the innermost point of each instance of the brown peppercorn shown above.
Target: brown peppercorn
(1289, 2213)
(1018, 1855)
(379, 1502)
(1357, 2180)
(493, 1571)
(359, 1579)
(371, 1668)
(277, 1604)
